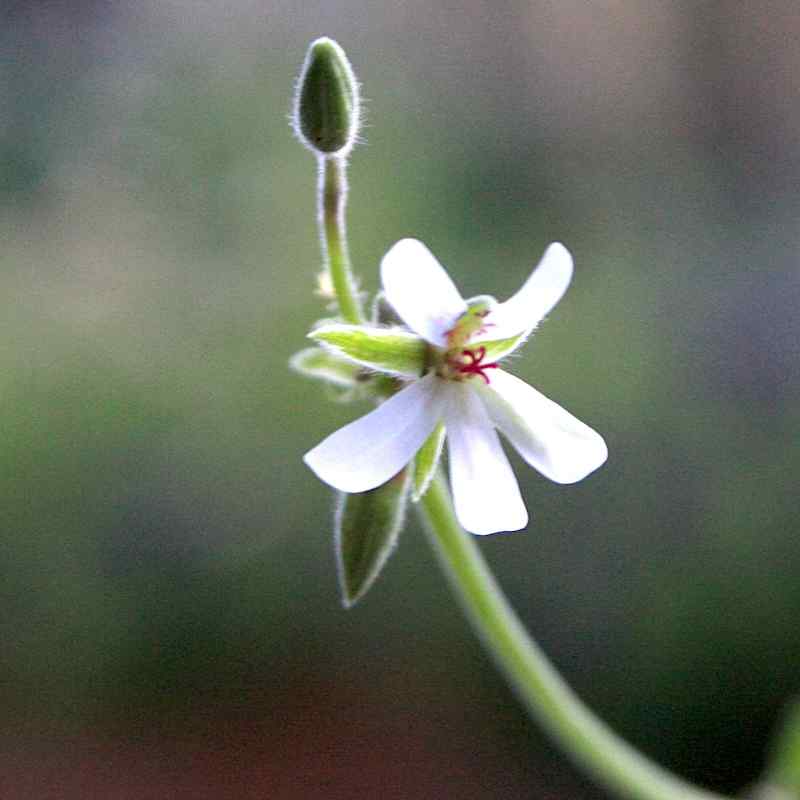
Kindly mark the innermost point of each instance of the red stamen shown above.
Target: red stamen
(475, 365)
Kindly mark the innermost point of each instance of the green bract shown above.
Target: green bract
(390, 350)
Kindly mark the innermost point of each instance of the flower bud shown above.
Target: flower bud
(326, 109)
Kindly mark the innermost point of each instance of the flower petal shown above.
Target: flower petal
(549, 438)
(485, 491)
(546, 285)
(370, 450)
(420, 290)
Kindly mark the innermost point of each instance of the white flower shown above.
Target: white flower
(465, 390)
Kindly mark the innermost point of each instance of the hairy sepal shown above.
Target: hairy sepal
(389, 350)
(500, 348)
(320, 364)
(367, 526)
(426, 461)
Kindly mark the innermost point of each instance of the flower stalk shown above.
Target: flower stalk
(332, 205)
(587, 739)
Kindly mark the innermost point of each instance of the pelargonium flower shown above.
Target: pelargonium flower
(449, 356)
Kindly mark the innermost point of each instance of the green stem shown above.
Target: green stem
(591, 743)
(332, 200)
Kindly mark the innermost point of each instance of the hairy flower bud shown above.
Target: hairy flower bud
(327, 108)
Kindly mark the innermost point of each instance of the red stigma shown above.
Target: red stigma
(474, 364)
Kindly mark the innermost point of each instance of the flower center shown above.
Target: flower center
(468, 362)
(458, 361)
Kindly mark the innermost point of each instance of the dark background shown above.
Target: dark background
(169, 617)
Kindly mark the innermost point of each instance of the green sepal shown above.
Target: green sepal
(499, 348)
(367, 526)
(320, 364)
(472, 328)
(426, 461)
(390, 350)
(783, 767)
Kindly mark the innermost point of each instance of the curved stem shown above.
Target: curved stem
(332, 201)
(591, 743)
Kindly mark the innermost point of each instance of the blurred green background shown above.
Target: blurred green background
(170, 617)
